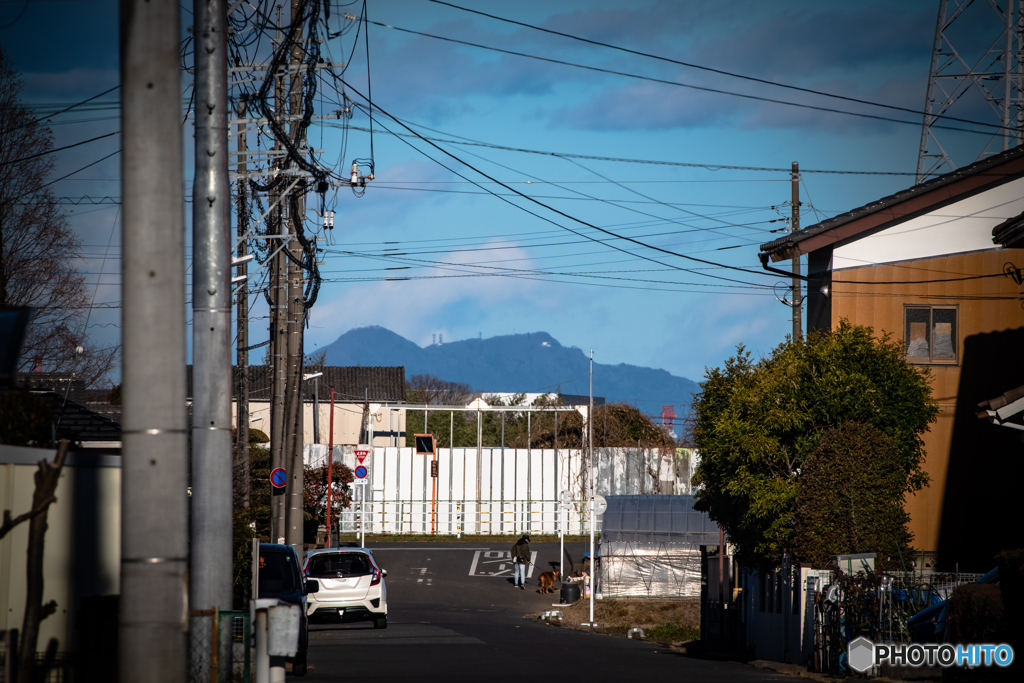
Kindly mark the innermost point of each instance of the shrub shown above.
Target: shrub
(850, 498)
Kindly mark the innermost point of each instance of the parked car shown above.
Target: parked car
(352, 586)
(280, 577)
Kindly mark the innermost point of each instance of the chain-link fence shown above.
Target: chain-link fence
(219, 646)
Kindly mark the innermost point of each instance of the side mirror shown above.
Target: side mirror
(384, 572)
(310, 586)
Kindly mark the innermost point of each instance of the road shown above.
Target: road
(453, 615)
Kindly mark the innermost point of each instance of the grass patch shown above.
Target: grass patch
(672, 633)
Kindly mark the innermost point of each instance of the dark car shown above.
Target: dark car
(280, 577)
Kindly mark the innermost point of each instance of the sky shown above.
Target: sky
(484, 265)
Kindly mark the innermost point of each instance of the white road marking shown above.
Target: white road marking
(499, 563)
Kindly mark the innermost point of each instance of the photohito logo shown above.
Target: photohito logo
(863, 654)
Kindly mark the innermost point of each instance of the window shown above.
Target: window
(930, 334)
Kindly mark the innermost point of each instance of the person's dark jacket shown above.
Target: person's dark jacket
(521, 550)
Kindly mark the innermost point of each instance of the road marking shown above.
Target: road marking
(497, 563)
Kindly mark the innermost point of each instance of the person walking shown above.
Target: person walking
(520, 560)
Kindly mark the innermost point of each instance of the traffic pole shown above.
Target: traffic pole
(330, 468)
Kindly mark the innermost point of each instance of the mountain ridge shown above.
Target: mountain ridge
(530, 362)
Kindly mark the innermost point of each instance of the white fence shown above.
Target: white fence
(498, 491)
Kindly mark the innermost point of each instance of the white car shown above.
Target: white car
(351, 586)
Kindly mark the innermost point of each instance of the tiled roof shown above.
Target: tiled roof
(351, 384)
(78, 422)
(985, 173)
(1009, 233)
(57, 382)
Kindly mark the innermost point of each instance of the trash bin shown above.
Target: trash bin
(570, 593)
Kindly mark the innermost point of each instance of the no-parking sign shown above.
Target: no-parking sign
(278, 478)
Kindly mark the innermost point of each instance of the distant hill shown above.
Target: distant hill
(533, 362)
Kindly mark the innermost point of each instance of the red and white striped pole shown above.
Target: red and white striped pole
(330, 467)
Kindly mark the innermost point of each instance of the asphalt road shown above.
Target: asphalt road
(453, 615)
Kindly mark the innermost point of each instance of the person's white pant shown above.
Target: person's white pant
(520, 573)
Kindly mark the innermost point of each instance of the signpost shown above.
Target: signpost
(361, 473)
(425, 445)
(565, 504)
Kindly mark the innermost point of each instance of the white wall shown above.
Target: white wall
(388, 423)
(963, 226)
(83, 540)
(519, 488)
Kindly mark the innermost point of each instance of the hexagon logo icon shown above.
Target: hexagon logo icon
(861, 654)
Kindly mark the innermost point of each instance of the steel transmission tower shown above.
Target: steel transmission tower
(996, 76)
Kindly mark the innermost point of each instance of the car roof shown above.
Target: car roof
(322, 551)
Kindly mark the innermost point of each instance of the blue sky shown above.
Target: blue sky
(482, 266)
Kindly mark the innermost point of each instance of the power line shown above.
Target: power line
(58, 149)
(677, 84)
(709, 69)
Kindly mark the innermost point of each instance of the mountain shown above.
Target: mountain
(533, 362)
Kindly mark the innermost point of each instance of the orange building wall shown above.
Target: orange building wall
(881, 307)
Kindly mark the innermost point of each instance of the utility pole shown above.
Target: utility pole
(241, 464)
(211, 582)
(296, 311)
(278, 328)
(154, 464)
(590, 505)
(794, 226)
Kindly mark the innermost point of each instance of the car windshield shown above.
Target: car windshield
(336, 565)
(278, 572)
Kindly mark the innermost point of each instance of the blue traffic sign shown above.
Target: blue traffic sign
(360, 472)
(279, 478)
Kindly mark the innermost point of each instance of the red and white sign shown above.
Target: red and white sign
(361, 455)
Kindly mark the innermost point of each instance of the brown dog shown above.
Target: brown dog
(547, 581)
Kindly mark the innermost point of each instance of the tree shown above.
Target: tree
(38, 247)
(756, 424)
(850, 499)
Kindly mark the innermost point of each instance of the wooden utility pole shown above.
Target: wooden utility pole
(794, 226)
(241, 464)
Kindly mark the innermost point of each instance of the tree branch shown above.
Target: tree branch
(9, 523)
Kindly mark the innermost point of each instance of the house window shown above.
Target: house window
(930, 334)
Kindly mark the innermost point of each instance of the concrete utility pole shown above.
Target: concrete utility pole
(278, 329)
(241, 464)
(154, 475)
(296, 312)
(211, 317)
(794, 226)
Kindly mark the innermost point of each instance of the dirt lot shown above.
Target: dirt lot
(663, 621)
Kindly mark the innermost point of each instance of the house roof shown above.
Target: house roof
(1010, 233)
(62, 383)
(351, 384)
(1002, 400)
(959, 184)
(79, 422)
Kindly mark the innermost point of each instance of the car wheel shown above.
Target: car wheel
(380, 622)
(299, 665)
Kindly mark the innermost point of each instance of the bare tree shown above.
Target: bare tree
(37, 246)
(436, 391)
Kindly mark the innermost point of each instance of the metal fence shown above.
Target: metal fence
(49, 667)
(875, 605)
(219, 646)
(465, 516)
